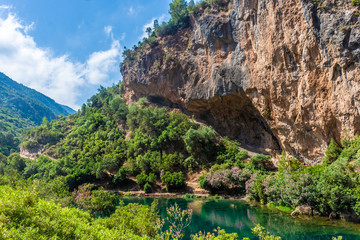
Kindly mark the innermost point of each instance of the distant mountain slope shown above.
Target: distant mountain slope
(22, 107)
(27, 102)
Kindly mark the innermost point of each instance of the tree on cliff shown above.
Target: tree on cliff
(179, 13)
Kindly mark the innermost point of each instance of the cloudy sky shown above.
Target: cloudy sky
(66, 49)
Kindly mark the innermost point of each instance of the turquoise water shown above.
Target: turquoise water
(240, 217)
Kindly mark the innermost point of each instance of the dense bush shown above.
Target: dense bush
(25, 216)
(173, 181)
(226, 179)
(355, 3)
(330, 188)
(261, 162)
(147, 188)
(332, 153)
(96, 202)
(141, 179)
(201, 145)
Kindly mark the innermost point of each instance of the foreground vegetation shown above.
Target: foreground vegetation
(26, 214)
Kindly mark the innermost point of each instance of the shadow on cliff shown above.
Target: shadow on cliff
(232, 115)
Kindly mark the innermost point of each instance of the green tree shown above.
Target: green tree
(179, 13)
(200, 144)
(149, 31)
(332, 152)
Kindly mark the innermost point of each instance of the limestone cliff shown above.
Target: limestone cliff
(274, 74)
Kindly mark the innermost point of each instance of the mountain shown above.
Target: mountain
(275, 75)
(28, 103)
(21, 108)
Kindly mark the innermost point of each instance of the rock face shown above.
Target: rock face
(274, 74)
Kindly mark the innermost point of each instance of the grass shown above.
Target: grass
(281, 208)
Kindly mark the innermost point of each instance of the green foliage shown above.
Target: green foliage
(230, 154)
(200, 144)
(25, 216)
(96, 202)
(147, 188)
(177, 220)
(179, 13)
(332, 153)
(218, 234)
(21, 108)
(336, 188)
(287, 163)
(260, 162)
(173, 181)
(355, 3)
(260, 232)
(330, 188)
(120, 176)
(141, 179)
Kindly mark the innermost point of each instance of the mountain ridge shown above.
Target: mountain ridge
(20, 108)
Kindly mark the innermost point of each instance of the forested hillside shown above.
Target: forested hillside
(108, 142)
(21, 108)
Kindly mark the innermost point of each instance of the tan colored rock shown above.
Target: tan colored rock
(274, 74)
(303, 210)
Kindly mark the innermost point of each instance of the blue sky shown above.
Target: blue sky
(66, 49)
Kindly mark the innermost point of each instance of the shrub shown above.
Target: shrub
(355, 3)
(332, 152)
(147, 188)
(141, 179)
(218, 234)
(255, 188)
(103, 203)
(177, 220)
(97, 202)
(260, 161)
(203, 182)
(226, 179)
(287, 163)
(30, 144)
(191, 163)
(173, 181)
(151, 178)
(229, 153)
(120, 177)
(200, 144)
(291, 190)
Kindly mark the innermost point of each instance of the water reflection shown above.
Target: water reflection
(237, 216)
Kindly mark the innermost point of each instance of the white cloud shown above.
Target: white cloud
(108, 30)
(101, 63)
(56, 76)
(5, 7)
(123, 36)
(28, 28)
(131, 11)
(162, 18)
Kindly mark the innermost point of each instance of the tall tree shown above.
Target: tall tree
(179, 13)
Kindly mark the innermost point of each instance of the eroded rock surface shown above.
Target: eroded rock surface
(274, 74)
